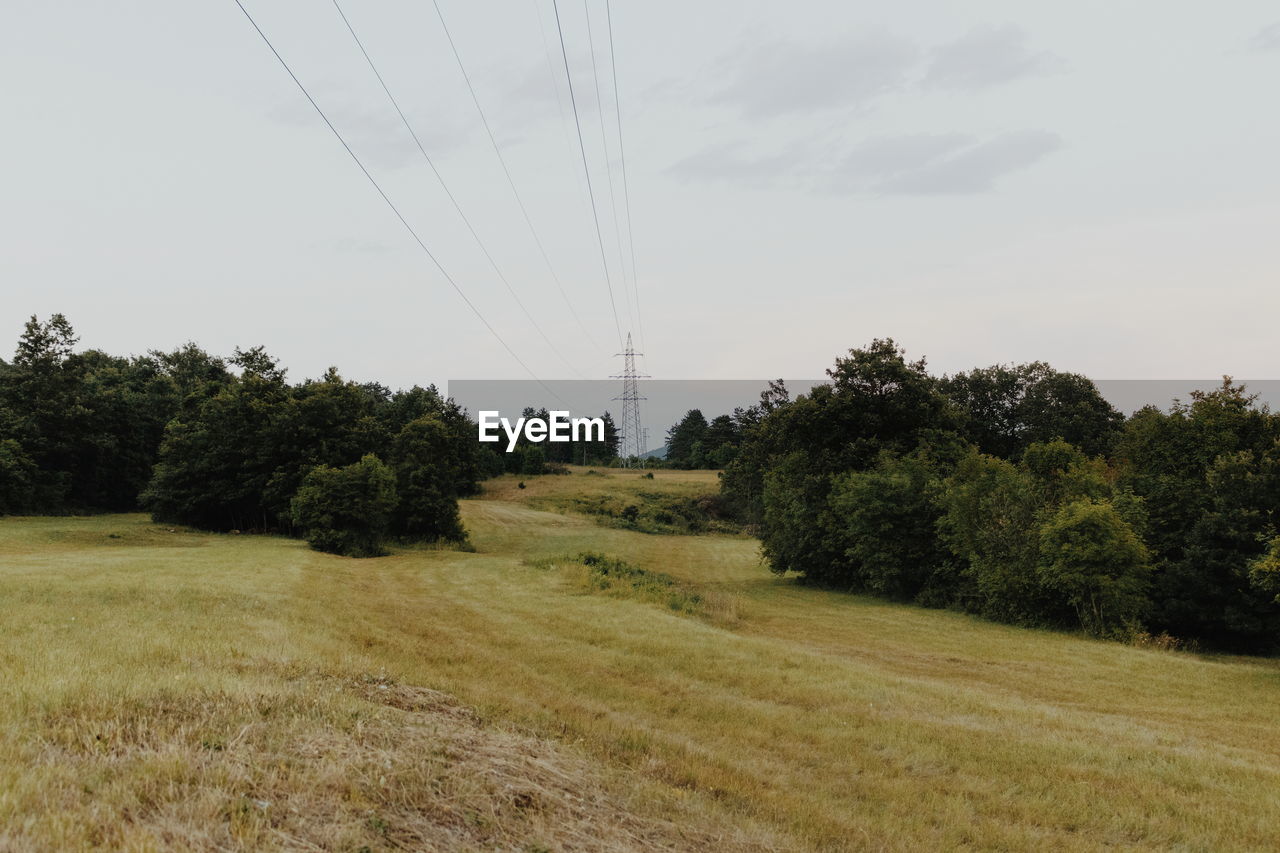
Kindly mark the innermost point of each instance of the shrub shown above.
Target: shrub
(347, 510)
(533, 462)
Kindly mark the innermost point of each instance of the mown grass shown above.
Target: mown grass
(809, 720)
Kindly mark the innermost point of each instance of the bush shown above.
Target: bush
(347, 510)
(533, 461)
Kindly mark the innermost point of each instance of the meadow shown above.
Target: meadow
(170, 689)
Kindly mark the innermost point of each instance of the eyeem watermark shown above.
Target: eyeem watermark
(558, 426)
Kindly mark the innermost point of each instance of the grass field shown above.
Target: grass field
(168, 689)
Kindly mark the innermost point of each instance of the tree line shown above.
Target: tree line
(1018, 493)
(230, 444)
(531, 458)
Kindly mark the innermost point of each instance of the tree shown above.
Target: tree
(219, 456)
(989, 521)
(18, 476)
(423, 457)
(1264, 572)
(887, 520)
(1092, 556)
(876, 401)
(1207, 472)
(682, 437)
(1007, 407)
(347, 510)
(533, 461)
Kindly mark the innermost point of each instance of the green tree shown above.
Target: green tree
(347, 510)
(988, 520)
(1206, 471)
(533, 461)
(424, 459)
(1092, 556)
(877, 400)
(887, 518)
(18, 476)
(1264, 571)
(682, 437)
(1007, 407)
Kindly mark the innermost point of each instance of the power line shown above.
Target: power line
(444, 186)
(555, 86)
(622, 157)
(604, 145)
(595, 214)
(413, 233)
(511, 181)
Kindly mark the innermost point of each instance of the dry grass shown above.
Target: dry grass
(223, 672)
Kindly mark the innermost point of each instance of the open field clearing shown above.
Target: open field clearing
(172, 689)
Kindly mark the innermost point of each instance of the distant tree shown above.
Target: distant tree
(219, 457)
(682, 436)
(347, 510)
(989, 521)
(18, 477)
(720, 442)
(423, 457)
(1264, 571)
(1007, 407)
(533, 461)
(1093, 557)
(795, 524)
(90, 423)
(886, 519)
(1206, 471)
(606, 451)
(877, 400)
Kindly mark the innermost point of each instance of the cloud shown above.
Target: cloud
(1267, 39)
(912, 164)
(987, 57)
(374, 129)
(787, 77)
(885, 157)
(727, 162)
(973, 168)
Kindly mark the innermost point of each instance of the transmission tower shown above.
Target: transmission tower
(631, 442)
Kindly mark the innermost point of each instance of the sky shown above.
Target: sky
(1091, 184)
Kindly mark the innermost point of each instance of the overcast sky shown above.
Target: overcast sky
(1093, 184)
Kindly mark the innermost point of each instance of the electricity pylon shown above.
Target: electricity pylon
(631, 441)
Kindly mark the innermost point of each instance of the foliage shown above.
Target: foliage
(428, 463)
(876, 401)
(1208, 472)
(1005, 408)
(885, 519)
(1090, 554)
(610, 574)
(17, 478)
(347, 510)
(88, 423)
(989, 521)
